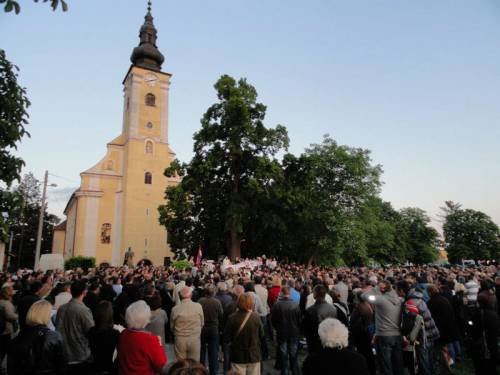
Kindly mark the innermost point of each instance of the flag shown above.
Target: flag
(198, 257)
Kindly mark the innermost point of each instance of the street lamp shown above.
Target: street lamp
(40, 220)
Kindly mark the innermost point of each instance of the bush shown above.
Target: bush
(182, 264)
(83, 262)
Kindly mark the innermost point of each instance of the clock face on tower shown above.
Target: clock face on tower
(151, 79)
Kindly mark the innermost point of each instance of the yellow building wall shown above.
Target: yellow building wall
(114, 190)
(58, 242)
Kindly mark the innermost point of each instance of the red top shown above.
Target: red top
(140, 353)
(273, 295)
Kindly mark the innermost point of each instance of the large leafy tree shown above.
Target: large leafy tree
(23, 222)
(417, 239)
(324, 190)
(13, 118)
(470, 234)
(230, 175)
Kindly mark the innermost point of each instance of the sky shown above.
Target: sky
(415, 82)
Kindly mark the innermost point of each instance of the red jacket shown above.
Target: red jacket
(140, 353)
(273, 295)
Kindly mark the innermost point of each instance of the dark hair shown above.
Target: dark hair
(249, 286)
(187, 367)
(35, 286)
(154, 301)
(103, 315)
(403, 286)
(319, 292)
(77, 288)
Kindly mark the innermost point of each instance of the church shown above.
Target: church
(114, 212)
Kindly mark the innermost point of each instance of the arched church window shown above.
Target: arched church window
(150, 100)
(106, 233)
(149, 147)
(148, 178)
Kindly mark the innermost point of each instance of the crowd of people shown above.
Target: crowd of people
(253, 318)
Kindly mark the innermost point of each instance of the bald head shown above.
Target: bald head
(185, 293)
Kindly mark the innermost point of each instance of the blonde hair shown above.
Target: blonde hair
(39, 313)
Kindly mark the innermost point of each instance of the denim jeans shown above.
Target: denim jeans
(390, 354)
(289, 356)
(455, 350)
(210, 344)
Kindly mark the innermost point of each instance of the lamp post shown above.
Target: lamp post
(40, 220)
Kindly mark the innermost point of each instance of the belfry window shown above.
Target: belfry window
(150, 100)
(106, 233)
(148, 178)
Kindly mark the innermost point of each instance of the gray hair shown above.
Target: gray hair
(333, 334)
(222, 286)
(185, 293)
(138, 315)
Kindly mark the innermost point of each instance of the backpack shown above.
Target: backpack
(412, 323)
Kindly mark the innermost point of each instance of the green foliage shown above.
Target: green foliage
(13, 118)
(324, 191)
(181, 264)
(23, 216)
(12, 5)
(233, 169)
(79, 262)
(470, 234)
(417, 238)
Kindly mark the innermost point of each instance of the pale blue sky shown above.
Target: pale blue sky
(416, 82)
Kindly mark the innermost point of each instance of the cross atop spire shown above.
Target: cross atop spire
(146, 54)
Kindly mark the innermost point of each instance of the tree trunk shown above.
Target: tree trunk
(234, 245)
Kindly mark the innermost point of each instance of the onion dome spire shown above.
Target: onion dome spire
(146, 54)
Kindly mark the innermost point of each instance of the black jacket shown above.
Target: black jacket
(36, 350)
(335, 362)
(286, 318)
(444, 316)
(312, 317)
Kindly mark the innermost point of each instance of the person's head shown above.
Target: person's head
(385, 286)
(6, 292)
(35, 287)
(103, 315)
(78, 289)
(187, 367)
(432, 290)
(285, 291)
(249, 286)
(138, 315)
(245, 302)
(210, 290)
(403, 287)
(333, 334)
(257, 279)
(39, 313)
(276, 281)
(222, 286)
(319, 292)
(185, 293)
(154, 301)
(238, 290)
(94, 287)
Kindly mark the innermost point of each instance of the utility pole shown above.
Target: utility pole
(40, 222)
(7, 253)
